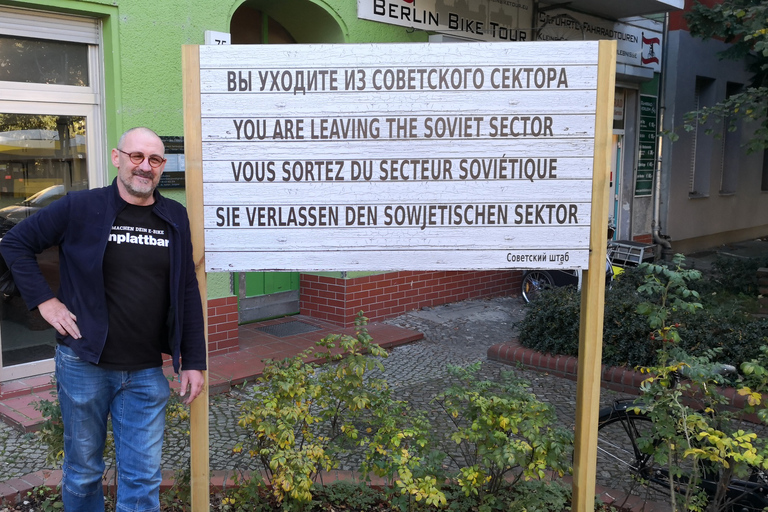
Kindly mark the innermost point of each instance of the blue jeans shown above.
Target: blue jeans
(136, 400)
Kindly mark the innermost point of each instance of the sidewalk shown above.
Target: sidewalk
(273, 339)
(422, 344)
(456, 334)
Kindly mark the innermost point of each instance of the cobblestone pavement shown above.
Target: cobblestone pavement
(457, 334)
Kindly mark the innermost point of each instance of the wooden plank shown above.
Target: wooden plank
(456, 102)
(315, 260)
(199, 427)
(418, 149)
(365, 56)
(507, 170)
(593, 292)
(303, 240)
(259, 81)
(399, 192)
(372, 130)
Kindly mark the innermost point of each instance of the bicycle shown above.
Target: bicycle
(534, 281)
(628, 472)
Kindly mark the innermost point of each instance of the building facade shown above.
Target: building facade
(75, 74)
(712, 191)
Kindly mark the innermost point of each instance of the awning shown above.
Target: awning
(616, 9)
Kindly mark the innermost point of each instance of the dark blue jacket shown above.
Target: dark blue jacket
(80, 224)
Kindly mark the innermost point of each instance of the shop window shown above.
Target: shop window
(701, 143)
(50, 145)
(41, 61)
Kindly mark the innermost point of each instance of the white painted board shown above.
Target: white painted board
(398, 156)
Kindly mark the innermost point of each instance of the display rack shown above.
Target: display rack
(629, 253)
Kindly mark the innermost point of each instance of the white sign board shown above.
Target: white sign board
(397, 156)
(213, 37)
(494, 20)
(638, 40)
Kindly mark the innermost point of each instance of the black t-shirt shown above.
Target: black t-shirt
(136, 278)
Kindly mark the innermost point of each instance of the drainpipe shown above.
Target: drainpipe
(663, 242)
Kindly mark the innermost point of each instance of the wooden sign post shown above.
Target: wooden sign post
(593, 294)
(199, 425)
(382, 157)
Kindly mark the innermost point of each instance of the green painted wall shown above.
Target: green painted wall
(142, 54)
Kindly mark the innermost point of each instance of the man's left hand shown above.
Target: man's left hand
(192, 382)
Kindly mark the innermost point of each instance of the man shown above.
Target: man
(128, 294)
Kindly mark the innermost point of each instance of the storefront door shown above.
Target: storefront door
(50, 145)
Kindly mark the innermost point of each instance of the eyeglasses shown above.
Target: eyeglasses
(137, 157)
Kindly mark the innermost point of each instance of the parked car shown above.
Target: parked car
(12, 215)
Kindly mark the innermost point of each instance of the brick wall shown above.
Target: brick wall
(644, 239)
(222, 325)
(386, 295)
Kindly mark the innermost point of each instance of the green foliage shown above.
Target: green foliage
(400, 449)
(551, 324)
(301, 419)
(533, 495)
(45, 499)
(248, 494)
(692, 435)
(351, 496)
(625, 333)
(724, 322)
(51, 432)
(738, 275)
(666, 291)
(501, 431)
(742, 24)
(525, 496)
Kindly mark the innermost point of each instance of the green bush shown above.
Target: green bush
(737, 275)
(552, 322)
(302, 418)
(503, 432)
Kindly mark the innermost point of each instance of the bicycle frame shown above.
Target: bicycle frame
(741, 495)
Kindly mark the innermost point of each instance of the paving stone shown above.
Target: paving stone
(456, 334)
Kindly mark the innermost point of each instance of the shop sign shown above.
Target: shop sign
(638, 42)
(174, 172)
(378, 157)
(492, 20)
(647, 134)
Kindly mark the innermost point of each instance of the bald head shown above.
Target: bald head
(144, 130)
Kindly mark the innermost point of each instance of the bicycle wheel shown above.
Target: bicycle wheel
(626, 475)
(534, 281)
(750, 495)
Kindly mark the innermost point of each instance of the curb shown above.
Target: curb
(14, 491)
(614, 378)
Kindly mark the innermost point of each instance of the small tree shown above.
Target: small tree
(503, 432)
(693, 436)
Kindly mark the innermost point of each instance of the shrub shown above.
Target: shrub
(302, 418)
(502, 431)
(692, 435)
(552, 323)
(737, 275)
